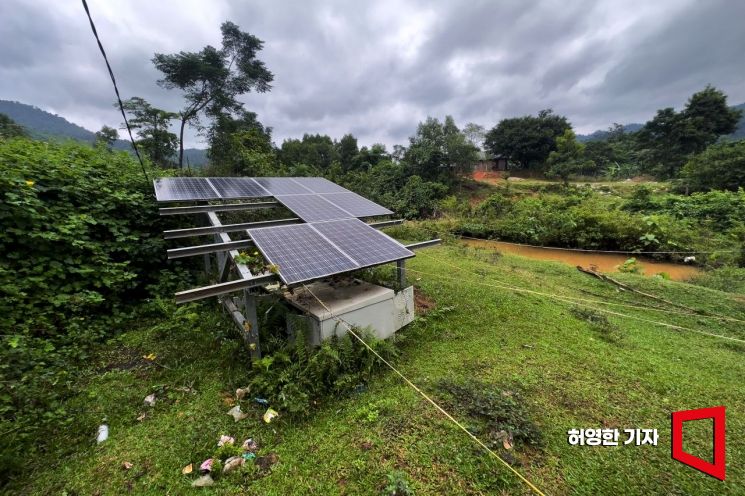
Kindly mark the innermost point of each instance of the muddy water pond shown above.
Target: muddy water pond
(604, 262)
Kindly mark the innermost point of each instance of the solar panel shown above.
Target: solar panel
(312, 208)
(282, 186)
(184, 189)
(300, 253)
(320, 185)
(367, 246)
(356, 205)
(238, 187)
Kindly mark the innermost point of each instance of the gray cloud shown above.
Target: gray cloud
(378, 68)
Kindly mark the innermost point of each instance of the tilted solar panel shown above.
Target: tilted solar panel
(184, 189)
(366, 245)
(320, 185)
(312, 208)
(300, 253)
(356, 205)
(282, 186)
(238, 187)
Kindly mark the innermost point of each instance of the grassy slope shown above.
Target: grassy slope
(570, 374)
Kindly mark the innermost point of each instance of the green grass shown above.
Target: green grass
(568, 369)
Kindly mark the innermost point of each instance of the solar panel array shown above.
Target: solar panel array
(356, 205)
(238, 187)
(303, 252)
(312, 208)
(184, 189)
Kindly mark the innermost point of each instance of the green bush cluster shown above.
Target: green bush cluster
(79, 239)
(580, 217)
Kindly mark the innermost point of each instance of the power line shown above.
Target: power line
(116, 90)
(424, 395)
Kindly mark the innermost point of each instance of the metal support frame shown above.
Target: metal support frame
(401, 273)
(224, 228)
(201, 209)
(190, 251)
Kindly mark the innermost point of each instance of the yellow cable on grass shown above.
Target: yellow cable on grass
(424, 395)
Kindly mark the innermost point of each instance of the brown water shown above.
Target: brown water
(604, 262)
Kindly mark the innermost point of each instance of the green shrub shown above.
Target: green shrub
(80, 238)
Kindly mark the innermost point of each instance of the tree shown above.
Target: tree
(348, 151)
(439, 150)
(221, 136)
(107, 136)
(151, 125)
(721, 166)
(212, 79)
(475, 134)
(568, 158)
(10, 129)
(671, 137)
(315, 150)
(527, 140)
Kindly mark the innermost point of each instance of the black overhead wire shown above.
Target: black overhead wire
(116, 90)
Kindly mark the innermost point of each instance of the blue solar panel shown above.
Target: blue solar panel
(366, 245)
(238, 187)
(184, 189)
(312, 208)
(300, 253)
(320, 185)
(356, 205)
(282, 186)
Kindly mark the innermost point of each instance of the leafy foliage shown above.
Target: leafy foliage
(151, 125)
(527, 140)
(721, 166)
(9, 129)
(79, 240)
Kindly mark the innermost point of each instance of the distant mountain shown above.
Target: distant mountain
(601, 134)
(46, 126)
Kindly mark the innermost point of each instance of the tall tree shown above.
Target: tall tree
(475, 133)
(348, 151)
(220, 136)
(439, 150)
(152, 127)
(107, 136)
(669, 139)
(527, 140)
(568, 158)
(212, 79)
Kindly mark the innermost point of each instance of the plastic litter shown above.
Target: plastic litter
(689, 259)
(232, 463)
(188, 469)
(248, 456)
(262, 401)
(103, 433)
(250, 445)
(270, 415)
(225, 440)
(149, 400)
(241, 393)
(127, 465)
(141, 417)
(203, 481)
(206, 466)
(237, 413)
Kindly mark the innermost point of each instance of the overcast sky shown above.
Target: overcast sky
(377, 68)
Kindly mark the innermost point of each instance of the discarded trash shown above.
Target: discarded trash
(360, 388)
(150, 400)
(225, 440)
(127, 465)
(241, 393)
(232, 463)
(262, 401)
(103, 433)
(248, 456)
(206, 466)
(188, 469)
(237, 413)
(203, 481)
(690, 259)
(141, 417)
(250, 445)
(150, 356)
(506, 439)
(270, 414)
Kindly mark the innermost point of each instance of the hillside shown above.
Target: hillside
(47, 126)
(635, 126)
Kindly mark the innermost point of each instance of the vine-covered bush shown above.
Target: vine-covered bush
(79, 239)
